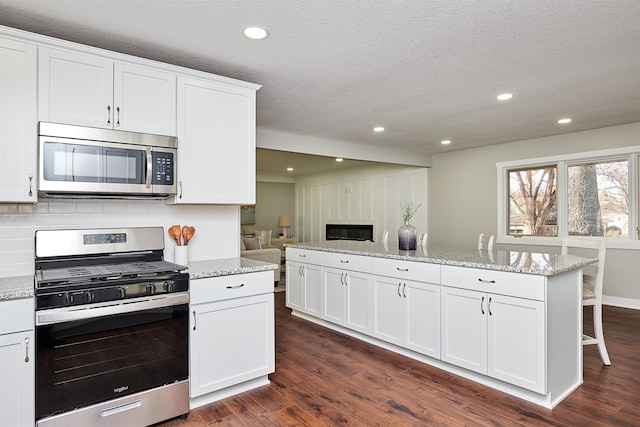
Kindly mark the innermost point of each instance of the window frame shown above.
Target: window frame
(631, 154)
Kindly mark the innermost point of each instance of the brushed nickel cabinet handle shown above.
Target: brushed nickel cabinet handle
(482, 305)
(26, 347)
(486, 281)
(118, 116)
(399, 294)
(30, 183)
(490, 313)
(180, 197)
(344, 261)
(194, 320)
(241, 285)
(404, 290)
(402, 269)
(108, 115)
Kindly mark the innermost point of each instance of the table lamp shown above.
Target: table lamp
(284, 222)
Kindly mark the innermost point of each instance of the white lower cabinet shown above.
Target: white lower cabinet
(17, 364)
(304, 292)
(495, 335)
(232, 331)
(346, 298)
(407, 313)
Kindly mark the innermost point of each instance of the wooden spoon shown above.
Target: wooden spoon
(185, 231)
(190, 232)
(174, 232)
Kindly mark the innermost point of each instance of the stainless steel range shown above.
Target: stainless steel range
(112, 322)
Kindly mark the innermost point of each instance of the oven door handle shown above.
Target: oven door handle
(56, 315)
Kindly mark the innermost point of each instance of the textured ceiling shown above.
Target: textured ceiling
(425, 70)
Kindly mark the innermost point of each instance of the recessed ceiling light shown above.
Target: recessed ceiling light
(255, 33)
(378, 129)
(564, 121)
(339, 159)
(290, 169)
(504, 96)
(445, 142)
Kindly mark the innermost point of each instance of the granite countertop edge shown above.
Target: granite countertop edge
(19, 287)
(227, 267)
(460, 258)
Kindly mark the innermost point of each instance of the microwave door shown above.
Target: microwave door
(73, 163)
(127, 168)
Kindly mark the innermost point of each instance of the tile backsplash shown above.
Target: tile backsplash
(217, 226)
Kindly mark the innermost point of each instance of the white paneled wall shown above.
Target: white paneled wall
(362, 196)
(217, 227)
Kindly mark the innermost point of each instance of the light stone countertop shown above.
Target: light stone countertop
(227, 267)
(542, 264)
(16, 287)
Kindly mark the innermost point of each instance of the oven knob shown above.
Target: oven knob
(151, 289)
(89, 296)
(169, 286)
(67, 298)
(121, 292)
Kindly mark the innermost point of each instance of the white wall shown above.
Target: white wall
(272, 200)
(368, 195)
(217, 227)
(463, 198)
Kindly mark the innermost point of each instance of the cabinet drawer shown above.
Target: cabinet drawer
(304, 255)
(406, 270)
(16, 315)
(227, 287)
(346, 261)
(498, 282)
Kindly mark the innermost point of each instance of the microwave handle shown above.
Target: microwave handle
(149, 168)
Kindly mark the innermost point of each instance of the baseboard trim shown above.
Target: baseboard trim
(621, 302)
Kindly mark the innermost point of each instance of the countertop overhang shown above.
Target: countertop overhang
(538, 263)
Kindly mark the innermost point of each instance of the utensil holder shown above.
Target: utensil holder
(181, 255)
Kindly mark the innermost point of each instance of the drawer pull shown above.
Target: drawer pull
(486, 281)
(26, 346)
(302, 255)
(241, 285)
(402, 269)
(344, 261)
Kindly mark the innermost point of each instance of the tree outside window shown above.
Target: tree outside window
(533, 209)
(598, 199)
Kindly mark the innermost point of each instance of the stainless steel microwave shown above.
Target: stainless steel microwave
(77, 161)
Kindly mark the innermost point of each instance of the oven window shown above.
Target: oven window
(84, 362)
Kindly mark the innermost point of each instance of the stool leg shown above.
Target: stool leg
(599, 334)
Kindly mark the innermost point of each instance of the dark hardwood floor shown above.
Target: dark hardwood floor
(324, 378)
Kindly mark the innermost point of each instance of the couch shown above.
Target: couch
(263, 251)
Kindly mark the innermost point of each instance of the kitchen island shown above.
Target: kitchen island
(510, 320)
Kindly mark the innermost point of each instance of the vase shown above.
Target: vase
(407, 237)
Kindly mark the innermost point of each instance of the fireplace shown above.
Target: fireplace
(359, 232)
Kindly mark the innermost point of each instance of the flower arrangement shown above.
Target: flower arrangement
(408, 211)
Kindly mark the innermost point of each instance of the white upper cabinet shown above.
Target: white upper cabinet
(18, 145)
(88, 90)
(216, 142)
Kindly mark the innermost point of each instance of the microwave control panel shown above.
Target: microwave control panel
(163, 168)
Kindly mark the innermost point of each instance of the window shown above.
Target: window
(597, 199)
(585, 194)
(533, 210)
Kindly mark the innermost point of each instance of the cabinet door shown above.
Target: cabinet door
(144, 100)
(387, 310)
(294, 285)
(75, 88)
(17, 379)
(357, 301)
(422, 317)
(232, 341)
(516, 336)
(312, 290)
(18, 122)
(464, 328)
(333, 295)
(216, 143)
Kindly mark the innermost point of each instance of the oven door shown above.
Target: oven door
(99, 352)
